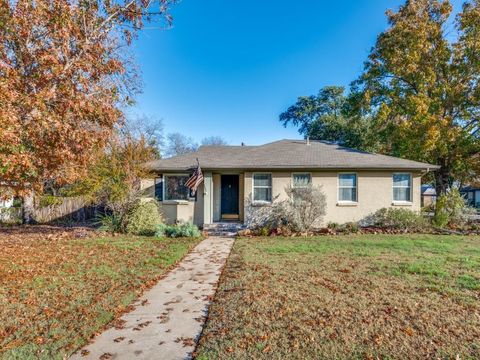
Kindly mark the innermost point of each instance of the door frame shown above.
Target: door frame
(230, 216)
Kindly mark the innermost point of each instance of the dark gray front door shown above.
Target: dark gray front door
(229, 196)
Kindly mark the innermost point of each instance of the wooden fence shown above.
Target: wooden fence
(69, 209)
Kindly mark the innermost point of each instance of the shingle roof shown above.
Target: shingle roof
(285, 154)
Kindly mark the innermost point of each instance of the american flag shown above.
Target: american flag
(195, 180)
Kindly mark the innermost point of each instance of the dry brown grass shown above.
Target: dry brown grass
(58, 287)
(365, 297)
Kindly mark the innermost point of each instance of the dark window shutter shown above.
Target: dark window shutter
(159, 188)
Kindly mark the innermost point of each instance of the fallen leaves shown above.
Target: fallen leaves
(333, 302)
(186, 341)
(63, 286)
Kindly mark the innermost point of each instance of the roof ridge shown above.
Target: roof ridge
(231, 146)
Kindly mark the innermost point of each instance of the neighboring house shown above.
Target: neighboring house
(239, 178)
(472, 194)
(429, 195)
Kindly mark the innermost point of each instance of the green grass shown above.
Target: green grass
(55, 293)
(344, 297)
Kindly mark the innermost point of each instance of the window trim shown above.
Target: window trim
(347, 202)
(301, 173)
(164, 176)
(402, 202)
(263, 187)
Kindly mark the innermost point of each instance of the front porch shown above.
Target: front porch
(223, 197)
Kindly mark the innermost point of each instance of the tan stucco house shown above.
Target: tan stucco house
(355, 183)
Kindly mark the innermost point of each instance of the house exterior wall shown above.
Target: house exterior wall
(198, 207)
(176, 210)
(217, 180)
(374, 191)
(241, 194)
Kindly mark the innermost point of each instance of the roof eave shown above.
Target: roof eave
(283, 167)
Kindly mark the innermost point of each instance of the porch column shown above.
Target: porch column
(207, 197)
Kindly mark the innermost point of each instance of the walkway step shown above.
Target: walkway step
(223, 228)
(168, 319)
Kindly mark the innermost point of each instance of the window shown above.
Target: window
(300, 180)
(262, 187)
(175, 188)
(347, 187)
(402, 186)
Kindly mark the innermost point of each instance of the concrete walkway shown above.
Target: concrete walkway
(167, 319)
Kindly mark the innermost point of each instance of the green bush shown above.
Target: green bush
(49, 200)
(109, 222)
(143, 219)
(451, 209)
(176, 231)
(333, 225)
(263, 231)
(186, 230)
(398, 219)
(161, 230)
(351, 227)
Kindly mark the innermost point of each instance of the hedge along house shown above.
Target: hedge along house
(237, 178)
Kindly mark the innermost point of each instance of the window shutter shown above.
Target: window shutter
(159, 188)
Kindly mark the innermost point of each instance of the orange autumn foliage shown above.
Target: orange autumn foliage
(64, 78)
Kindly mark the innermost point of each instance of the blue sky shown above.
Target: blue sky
(229, 68)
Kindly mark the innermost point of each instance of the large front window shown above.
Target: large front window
(402, 187)
(347, 187)
(175, 188)
(262, 187)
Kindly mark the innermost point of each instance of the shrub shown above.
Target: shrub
(333, 225)
(161, 230)
(49, 200)
(451, 209)
(397, 218)
(304, 208)
(176, 231)
(302, 211)
(143, 219)
(268, 216)
(186, 230)
(263, 231)
(11, 215)
(109, 222)
(351, 227)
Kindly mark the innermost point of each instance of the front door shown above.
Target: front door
(229, 197)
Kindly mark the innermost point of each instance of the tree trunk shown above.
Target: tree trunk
(442, 177)
(28, 208)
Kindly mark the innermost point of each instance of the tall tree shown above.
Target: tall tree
(113, 177)
(179, 144)
(328, 116)
(421, 85)
(147, 128)
(63, 79)
(213, 140)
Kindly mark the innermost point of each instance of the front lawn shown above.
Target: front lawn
(57, 290)
(344, 297)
